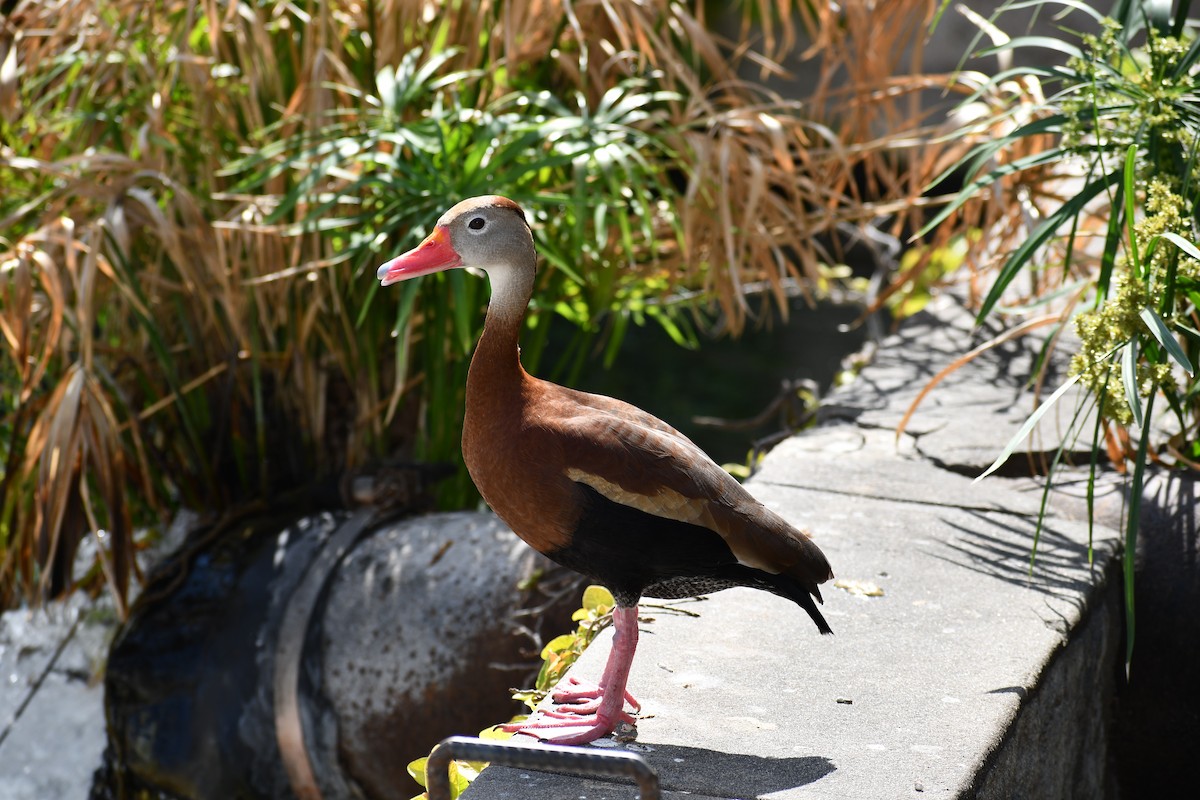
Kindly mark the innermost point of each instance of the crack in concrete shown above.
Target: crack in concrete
(909, 500)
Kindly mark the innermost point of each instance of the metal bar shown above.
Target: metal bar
(584, 761)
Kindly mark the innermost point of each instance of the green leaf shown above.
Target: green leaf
(1129, 359)
(1131, 207)
(495, 732)
(620, 324)
(1112, 244)
(1166, 338)
(1077, 5)
(937, 17)
(1180, 242)
(1158, 14)
(983, 154)
(1027, 427)
(558, 644)
(463, 307)
(417, 770)
(1132, 520)
(1047, 42)
(668, 324)
(599, 599)
(739, 471)
(1022, 255)
(461, 776)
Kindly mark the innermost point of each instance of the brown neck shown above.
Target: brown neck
(496, 365)
(496, 391)
(497, 386)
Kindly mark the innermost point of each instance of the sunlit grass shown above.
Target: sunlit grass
(196, 195)
(1083, 185)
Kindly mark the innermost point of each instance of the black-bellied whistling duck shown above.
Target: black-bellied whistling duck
(596, 484)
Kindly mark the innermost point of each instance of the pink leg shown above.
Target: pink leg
(596, 710)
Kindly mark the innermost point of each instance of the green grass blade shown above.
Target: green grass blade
(1129, 359)
(1049, 484)
(1182, 243)
(1077, 5)
(1163, 334)
(970, 190)
(1093, 469)
(1132, 521)
(1021, 256)
(1028, 427)
(1181, 18)
(1158, 14)
(937, 17)
(1046, 42)
(1112, 244)
(1131, 207)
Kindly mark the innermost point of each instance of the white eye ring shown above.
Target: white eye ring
(477, 224)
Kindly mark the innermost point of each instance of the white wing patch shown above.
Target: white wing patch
(666, 503)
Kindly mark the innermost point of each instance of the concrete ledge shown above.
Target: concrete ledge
(973, 675)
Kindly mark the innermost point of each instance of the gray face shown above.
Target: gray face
(490, 232)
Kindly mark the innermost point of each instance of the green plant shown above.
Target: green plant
(426, 136)
(195, 199)
(559, 654)
(1091, 193)
(462, 773)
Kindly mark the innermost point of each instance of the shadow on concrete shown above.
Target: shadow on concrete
(715, 774)
(1060, 567)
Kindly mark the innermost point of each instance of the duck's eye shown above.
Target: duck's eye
(477, 224)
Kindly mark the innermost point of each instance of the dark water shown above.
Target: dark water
(732, 379)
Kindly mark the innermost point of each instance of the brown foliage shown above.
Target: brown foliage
(163, 330)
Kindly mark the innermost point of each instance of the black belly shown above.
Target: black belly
(634, 553)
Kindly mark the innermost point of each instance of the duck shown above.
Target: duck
(597, 484)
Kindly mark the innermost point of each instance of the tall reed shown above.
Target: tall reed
(196, 194)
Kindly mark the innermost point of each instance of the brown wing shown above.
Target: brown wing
(619, 409)
(637, 460)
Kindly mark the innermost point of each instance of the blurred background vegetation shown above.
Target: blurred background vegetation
(196, 194)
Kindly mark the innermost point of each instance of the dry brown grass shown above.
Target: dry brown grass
(171, 338)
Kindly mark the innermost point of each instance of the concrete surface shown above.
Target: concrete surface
(957, 681)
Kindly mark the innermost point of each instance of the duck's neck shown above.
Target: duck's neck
(496, 366)
(497, 391)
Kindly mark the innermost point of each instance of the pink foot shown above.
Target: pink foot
(595, 709)
(585, 693)
(584, 728)
(582, 706)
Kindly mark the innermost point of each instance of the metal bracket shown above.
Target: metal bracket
(585, 761)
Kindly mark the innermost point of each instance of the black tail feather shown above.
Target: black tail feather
(801, 594)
